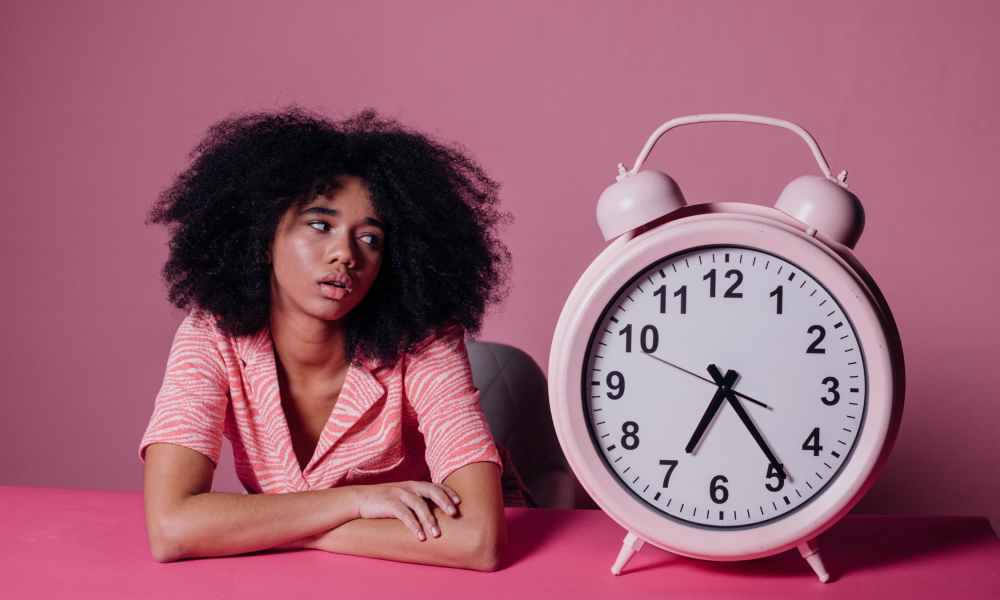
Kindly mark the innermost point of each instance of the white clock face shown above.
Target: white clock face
(724, 386)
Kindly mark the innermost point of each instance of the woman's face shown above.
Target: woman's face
(336, 239)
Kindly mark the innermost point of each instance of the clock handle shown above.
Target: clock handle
(735, 118)
(630, 546)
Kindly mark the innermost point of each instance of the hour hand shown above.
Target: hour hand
(713, 406)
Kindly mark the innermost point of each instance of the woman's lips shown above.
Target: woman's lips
(333, 292)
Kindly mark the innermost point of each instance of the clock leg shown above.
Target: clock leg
(630, 546)
(810, 551)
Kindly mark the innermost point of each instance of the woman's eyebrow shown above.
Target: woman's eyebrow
(332, 212)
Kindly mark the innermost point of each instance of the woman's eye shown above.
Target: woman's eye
(371, 239)
(323, 223)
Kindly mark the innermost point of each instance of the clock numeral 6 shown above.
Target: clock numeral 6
(812, 442)
(649, 338)
(814, 347)
(833, 383)
(718, 492)
(630, 439)
(671, 465)
(776, 473)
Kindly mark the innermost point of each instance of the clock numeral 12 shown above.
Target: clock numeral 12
(731, 292)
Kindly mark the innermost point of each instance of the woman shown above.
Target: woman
(331, 270)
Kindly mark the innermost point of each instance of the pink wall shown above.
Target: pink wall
(101, 101)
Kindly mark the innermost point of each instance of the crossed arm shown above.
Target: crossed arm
(186, 520)
(473, 538)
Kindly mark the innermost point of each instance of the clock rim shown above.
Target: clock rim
(618, 265)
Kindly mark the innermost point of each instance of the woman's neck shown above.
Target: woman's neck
(309, 350)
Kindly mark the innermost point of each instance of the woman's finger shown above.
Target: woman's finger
(419, 507)
(437, 495)
(404, 514)
(451, 492)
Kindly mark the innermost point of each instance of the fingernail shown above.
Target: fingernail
(422, 536)
(435, 531)
(451, 510)
(456, 499)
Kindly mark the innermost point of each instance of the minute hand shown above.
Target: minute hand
(731, 397)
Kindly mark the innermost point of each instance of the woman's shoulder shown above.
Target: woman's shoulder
(199, 334)
(447, 338)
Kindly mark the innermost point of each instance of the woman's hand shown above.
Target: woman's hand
(405, 500)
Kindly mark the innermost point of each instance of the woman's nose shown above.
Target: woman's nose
(343, 249)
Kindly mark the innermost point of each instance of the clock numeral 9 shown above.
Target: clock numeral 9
(630, 439)
(812, 442)
(833, 383)
(718, 492)
(814, 347)
(661, 292)
(671, 465)
(731, 292)
(776, 473)
(615, 381)
(649, 338)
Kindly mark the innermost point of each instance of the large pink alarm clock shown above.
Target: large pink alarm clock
(726, 379)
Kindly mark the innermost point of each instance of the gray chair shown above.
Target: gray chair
(514, 396)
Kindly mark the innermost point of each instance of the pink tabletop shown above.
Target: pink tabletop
(88, 544)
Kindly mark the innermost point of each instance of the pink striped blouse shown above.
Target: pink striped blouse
(419, 420)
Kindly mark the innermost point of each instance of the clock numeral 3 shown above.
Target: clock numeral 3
(833, 383)
(812, 442)
(717, 491)
(630, 439)
(671, 465)
(814, 347)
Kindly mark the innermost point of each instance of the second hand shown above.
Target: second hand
(744, 396)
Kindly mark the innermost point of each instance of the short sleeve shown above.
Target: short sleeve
(438, 383)
(190, 408)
